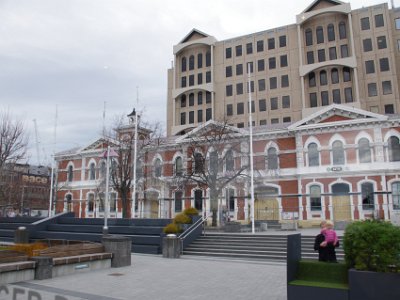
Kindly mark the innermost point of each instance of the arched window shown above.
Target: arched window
(311, 79)
(364, 151)
(335, 76)
(367, 194)
(103, 170)
(323, 78)
(198, 163)
(157, 168)
(191, 62)
(272, 159)
(92, 172)
(229, 161)
(346, 74)
(199, 60)
(198, 199)
(396, 195)
(309, 38)
(113, 202)
(183, 62)
(208, 58)
(337, 153)
(70, 174)
(331, 32)
(342, 30)
(178, 166)
(90, 202)
(213, 167)
(178, 201)
(230, 199)
(394, 148)
(315, 197)
(320, 35)
(313, 155)
(102, 198)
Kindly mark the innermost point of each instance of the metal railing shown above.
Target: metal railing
(192, 232)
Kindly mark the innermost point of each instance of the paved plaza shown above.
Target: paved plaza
(154, 277)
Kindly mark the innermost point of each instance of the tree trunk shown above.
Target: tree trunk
(214, 206)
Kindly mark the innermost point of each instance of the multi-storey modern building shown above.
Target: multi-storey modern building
(332, 54)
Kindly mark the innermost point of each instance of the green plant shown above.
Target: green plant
(182, 219)
(372, 246)
(171, 228)
(28, 249)
(191, 211)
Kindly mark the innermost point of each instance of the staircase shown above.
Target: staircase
(9, 225)
(250, 247)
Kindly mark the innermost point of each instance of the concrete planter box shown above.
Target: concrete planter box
(366, 285)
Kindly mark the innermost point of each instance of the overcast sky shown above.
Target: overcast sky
(79, 54)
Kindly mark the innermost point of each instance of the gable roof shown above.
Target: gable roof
(193, 33)
(318, 2)
(207, 127)
(337, 114)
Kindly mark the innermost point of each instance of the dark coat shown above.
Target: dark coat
(327, 253)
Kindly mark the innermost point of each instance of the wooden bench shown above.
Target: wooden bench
(9, 256)
(70, 250)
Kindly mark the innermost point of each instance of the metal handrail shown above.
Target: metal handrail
(192, 228)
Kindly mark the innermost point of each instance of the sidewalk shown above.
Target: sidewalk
(153, 277)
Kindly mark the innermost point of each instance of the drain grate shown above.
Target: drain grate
(116, 274)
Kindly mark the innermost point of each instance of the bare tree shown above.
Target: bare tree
(218, 156)
(122, 165)
(13, 146)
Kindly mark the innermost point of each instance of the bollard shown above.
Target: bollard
(21, 235)
(171, 246)
(43, 267)
(120, 247)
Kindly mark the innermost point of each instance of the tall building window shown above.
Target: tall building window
(364, 151)
(272, 63)
(332, 53)
(384, 64)
(191, 62)
(344, 51)
(260, 46)
(199, 60)
(229, 110)
(331, 32)
(310, 57)
(229, 90)
(311, 79)
(315, 198)
(228, 52)
(230, 199)
(200, 116)
(335, 76)
(198, 200)
(394, 148)
(271, 43)
(183, 101)
(336, 96)
(260, 65)
(284, 81)
(367, 45)
(191, 117)
(200, 98)
(346, 74)
(208, 76)
(183, 64)
(249, 48)
(313, 100)
(313, 155)
(70, 174)
(208, 114)
(208, 58)
(239, 69)
(273, 83)
(284, 61)
(183, 81)
(191, 80)
(365, 23)
(342, 30)
(240, 108)
(285, 101)
(239, 88)
(338, 153)
(200, 78)
(183, 118)
(261, 85)
(381, 41)
(387, 87)
(348, 94)
(367, 194)
(238, 50)
(309, 37)
(369, 66)
(282, 41)
(178, 201)
(372, 89)
(262, 105)
(389, 109)
(324, 98)
(228, 71)
(274, 103)
(272, 159)
(379, 22)
(320, 35)
(396, 195)
(323, 80)
(321, 55)
(178, 166)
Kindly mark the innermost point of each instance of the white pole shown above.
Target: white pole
(52, 165)
(251, 152)
(134, 168)
(105, 228)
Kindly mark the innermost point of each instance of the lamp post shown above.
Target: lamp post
(251, 152)
(134, 115)
(107, 154)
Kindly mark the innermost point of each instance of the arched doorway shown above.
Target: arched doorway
(341, 202)
(266, 205)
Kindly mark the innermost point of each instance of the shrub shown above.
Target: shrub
(372, 246)
(28, 248)
(171, 228)
(191, 211)
(182, 219)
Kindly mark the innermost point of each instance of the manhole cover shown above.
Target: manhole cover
(115, 274)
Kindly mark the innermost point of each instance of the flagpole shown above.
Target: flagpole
(105, 228)
(53, 166)
(251, 151)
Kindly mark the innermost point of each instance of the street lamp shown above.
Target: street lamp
(134, 115)
(107, 154)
